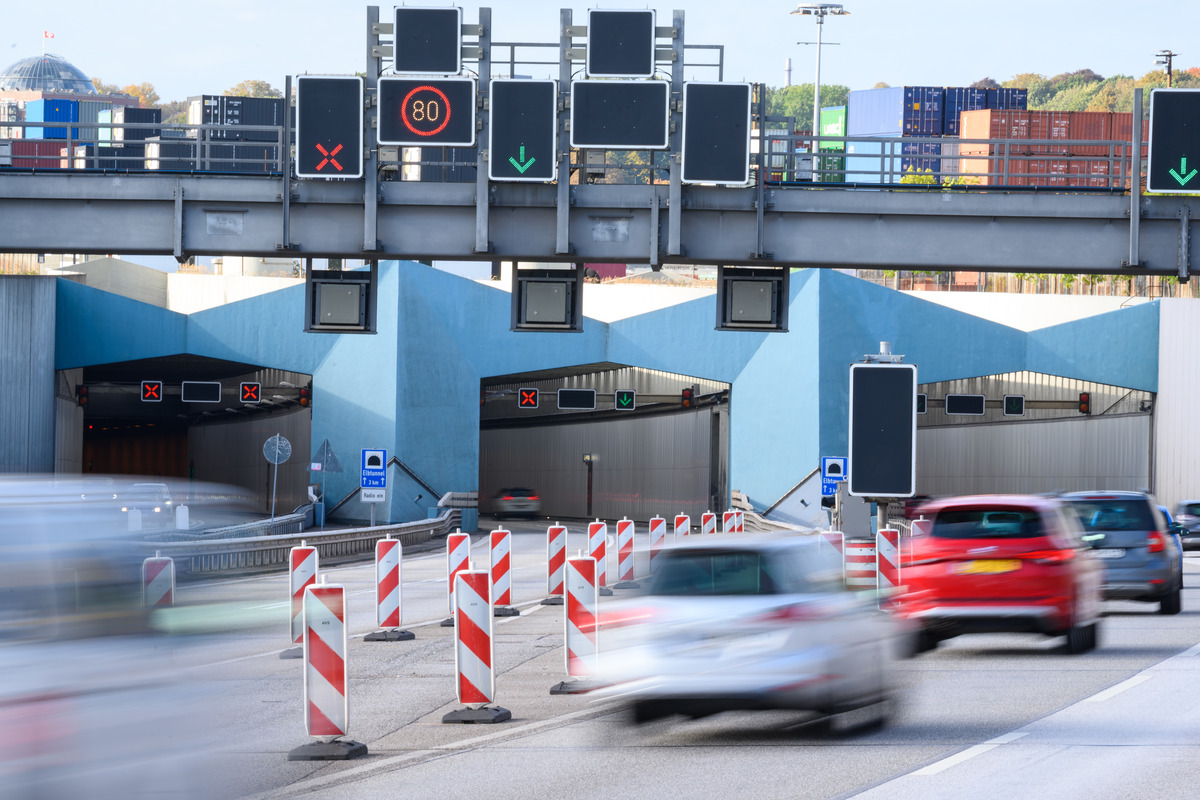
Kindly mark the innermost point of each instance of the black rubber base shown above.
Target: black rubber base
(328, 751)
(627, 585)
(448, 622)
(555, 600)
(605, 591)
(293, 652)
(393, 635)
(478, 716)
(575, 686)
(505, 611)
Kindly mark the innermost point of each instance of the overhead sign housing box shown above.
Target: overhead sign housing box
(522, 130)
(620, 44)
(1173, 160)
(620, 115)
(418, 112)
(427, 41)
(716, 133)
(883, 430)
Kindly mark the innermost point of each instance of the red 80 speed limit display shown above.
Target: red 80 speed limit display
(416, 112)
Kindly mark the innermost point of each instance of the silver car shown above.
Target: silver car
(749, 623)
(517, 502)
(1187, 517)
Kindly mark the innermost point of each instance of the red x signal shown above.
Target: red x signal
(329, 158)
(151, 391)
(527, 398)
(251, 393)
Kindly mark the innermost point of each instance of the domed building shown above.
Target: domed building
(47, 74)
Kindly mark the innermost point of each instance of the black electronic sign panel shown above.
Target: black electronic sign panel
(522, 130)
(716, 133)
(417, 112)
(527, 398)
(617, 115)
(427, 41)
(883, 430)
(1173, 163)
(620, 44)
(971, 405)
(329, 127)
(577, 399)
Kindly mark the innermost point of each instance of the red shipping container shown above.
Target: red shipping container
(991, 123)
(1049, 125)
(1122, 127)
(36, 154)
(1092, 173)
(1048, 171)
(974, 167)
(1093, 125)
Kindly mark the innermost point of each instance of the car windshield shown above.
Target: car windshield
(982, 523)
(1190, 508)
(1114, 513)
(717, 573)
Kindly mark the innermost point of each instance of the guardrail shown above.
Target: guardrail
(269, 552)
(279, 526)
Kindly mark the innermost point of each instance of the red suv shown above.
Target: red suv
(1002, 563)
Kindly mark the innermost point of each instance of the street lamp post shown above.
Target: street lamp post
(1163, 59)
(820, 11)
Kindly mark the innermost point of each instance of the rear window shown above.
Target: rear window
(987, 524)
(1115, 514)
(1190, 508)
(730, 573)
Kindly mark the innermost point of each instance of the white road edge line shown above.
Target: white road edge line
(970, 752)
(1113, 691)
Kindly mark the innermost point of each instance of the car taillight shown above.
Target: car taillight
(1049, 556)
(1156, 542)
(533, 497)
(507, 497)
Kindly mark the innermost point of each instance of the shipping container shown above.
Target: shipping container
(873, 162)
(83, 158)
(992, 124)
(1044, 171)
(1008, 99)
(896, 110)
(991, 167)
(921, 158)
(89, 111)
(1095, 173)
(960, 99)
(1122, 127)
(121, 116)
(1048, 126)
(233, 112)
(51, 110)
(185, 155)
(37, 154)
(833, 123)
(121, 157)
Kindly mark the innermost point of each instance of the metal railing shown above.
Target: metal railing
(271, 552)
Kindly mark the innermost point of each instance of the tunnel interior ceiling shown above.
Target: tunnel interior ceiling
(654, 389)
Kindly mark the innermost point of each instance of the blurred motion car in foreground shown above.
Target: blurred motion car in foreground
(1133, 541)
(516, 502)
(1187, 517)
(748, 623)
(1002, 564)
(92, 703)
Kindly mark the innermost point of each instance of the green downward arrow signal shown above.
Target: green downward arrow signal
(1179, 176)
(522, 165)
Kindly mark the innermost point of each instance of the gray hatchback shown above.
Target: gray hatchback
(1130, 536)
(1187, 517)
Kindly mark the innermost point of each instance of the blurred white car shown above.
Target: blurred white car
(748, 623)
(516, 501)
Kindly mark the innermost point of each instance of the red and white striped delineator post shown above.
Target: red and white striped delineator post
(326, 701)
(837, 541)
(598, 549)
(739, 521)
(388, 587)
(708, 523)
(556, 561)
(302, 573)
(501, 561)
(158, 581)
(861, 568)
(683, 526)
(581, 627)
(458, 559)
(474, 670)
(658, 538)
(729, 522)
(626, 530)
(887, 550)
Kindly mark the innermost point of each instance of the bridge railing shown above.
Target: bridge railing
(271, 552)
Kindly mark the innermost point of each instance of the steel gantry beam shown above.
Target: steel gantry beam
(188, 215)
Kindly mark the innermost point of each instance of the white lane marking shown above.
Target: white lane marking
(970, 752)
(1113, 691)
(1194, 650)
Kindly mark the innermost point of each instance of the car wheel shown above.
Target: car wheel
(926, 641)
(1081, 638)
(1172, 603)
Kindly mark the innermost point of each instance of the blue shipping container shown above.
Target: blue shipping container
(896, 110)
(872, 162)
(958, 100)
(51, 111)
(912, 160)
(1008, 99)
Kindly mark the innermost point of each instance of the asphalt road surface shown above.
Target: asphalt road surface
(986, 716)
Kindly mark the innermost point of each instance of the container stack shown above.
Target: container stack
(233, 114)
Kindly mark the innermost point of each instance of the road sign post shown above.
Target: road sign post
(372, 483)
(276, 450)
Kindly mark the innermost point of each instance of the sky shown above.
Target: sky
(186, 48)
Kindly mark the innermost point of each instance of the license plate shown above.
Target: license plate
(986, 566)
(1109, 552)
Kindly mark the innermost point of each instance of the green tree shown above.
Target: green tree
(1038, 86)
(253, 89)
(144, 92)
(797, 101)
(985, 83)
(175, 112)
(105, 88)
